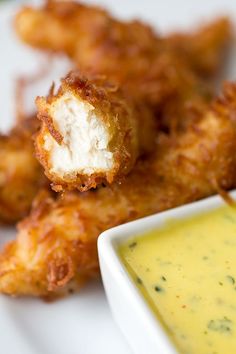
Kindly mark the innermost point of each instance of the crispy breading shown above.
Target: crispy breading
(87, 34)
(21, 176)
(91, 132)
(90, 35)
(152, 67)
(56, 245)
(205, 48)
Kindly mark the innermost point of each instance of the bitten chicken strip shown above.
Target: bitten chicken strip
(160, 75)
(91, 133)
(21, 176)
(55, 250)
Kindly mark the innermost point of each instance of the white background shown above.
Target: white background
(81, 324)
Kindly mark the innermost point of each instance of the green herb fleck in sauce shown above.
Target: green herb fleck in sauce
(158, 288)
(139, 280)
(223, 325)
(230, 279)
(132, 245)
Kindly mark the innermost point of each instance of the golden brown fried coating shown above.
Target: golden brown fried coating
(205, 48)
(204, 52)
(87, 34)
(91, 133)
(21, 176)
(56, 246)
(90, 35)
(151, 67)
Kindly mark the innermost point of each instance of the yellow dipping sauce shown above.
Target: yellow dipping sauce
(187, 273)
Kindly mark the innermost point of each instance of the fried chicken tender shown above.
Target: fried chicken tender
(93, 38)
(55, 250)
(91, 133)
(151, 67)
(88, 35)
(21, 176)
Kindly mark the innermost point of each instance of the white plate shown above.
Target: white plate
(82, 323)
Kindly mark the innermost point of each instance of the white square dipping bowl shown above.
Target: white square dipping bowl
(140, 326)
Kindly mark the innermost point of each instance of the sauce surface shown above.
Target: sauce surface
(187, 273)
